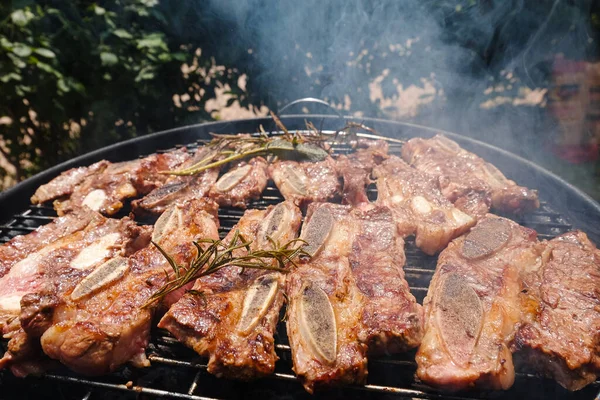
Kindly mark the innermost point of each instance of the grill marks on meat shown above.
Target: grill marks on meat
(305, 182)
(98, 333)
(242, 183)
(356, 168)
(560, 300)
(356, 272)
(469, 182)
(419, 206)
(105, 189)
(178, 189)
(472, 307)
(31, 290)
(234, 321)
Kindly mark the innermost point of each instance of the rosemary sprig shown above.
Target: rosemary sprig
(217, 255)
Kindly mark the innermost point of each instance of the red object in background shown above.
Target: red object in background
(576, 154)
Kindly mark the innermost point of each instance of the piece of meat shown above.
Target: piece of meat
(305, 182)
(419, 206)
(356, 168)
(242, 183)
(350, 297)
(235, 318)
(179, 189)
(100, 331)
(472, 307)
(31, 290)
(560, 301)
(65, 183)
(106, 190)
(468, 181)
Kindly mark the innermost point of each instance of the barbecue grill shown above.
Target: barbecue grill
(179, 373)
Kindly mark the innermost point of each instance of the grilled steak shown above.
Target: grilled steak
(242, 183)
(31, 290)
(350, 297)
(305, 182)
(105, 190)
(234, 320)
(560, 301)
(419, 206)
(178, 189)
(356, 168)
(472, 307)
(469, 182)
(97, 328)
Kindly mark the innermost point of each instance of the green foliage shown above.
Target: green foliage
(76, 75)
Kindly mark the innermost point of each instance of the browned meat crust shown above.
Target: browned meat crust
(560, 300)
(37, 283)
(101, 331)
(242, 183)
(356, 168)
(212, 324)
(469, 182)
(305, 182)
(472, 307)
(419, 206)
(178, 189)
(105, 190)
(359, 270)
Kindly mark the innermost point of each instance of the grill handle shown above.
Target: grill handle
(311, 101)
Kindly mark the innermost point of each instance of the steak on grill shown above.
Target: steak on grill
(469, 182)
(305, 182)
(242, 183)
(107, 188)
(339, 305)
(31, 290)
(472, 307)
(418, 205)
(560, 300)
(235, 318)
(99, 331)
(178, 189)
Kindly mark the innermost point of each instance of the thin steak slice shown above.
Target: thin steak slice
(468, 181)
(350, 297)
(242, 183)
(356, 169)
(560, 331)
(105, 190)
(472, 307)
(305, 182)
(178, 189)
(28, 292)
(419, 206)
(95, 332)
(234, 319)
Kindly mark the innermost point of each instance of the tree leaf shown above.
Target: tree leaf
(108, 58)
(22, 50)
(99, 10)
(152, 41)
(11, 76)
(19, 63)
(123, 34)
(45, 53)
(21, 17)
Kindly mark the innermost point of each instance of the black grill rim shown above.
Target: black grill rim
(417, 267)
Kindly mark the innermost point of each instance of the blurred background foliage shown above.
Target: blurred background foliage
(77, 75)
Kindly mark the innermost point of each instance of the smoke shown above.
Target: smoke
(478, 67)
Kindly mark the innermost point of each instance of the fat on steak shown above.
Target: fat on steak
(468, 181)
(472, 307)
(96, 333)
(350, 297)
(418, 205)
(107, 188)
(234, 320)
(559, 334)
